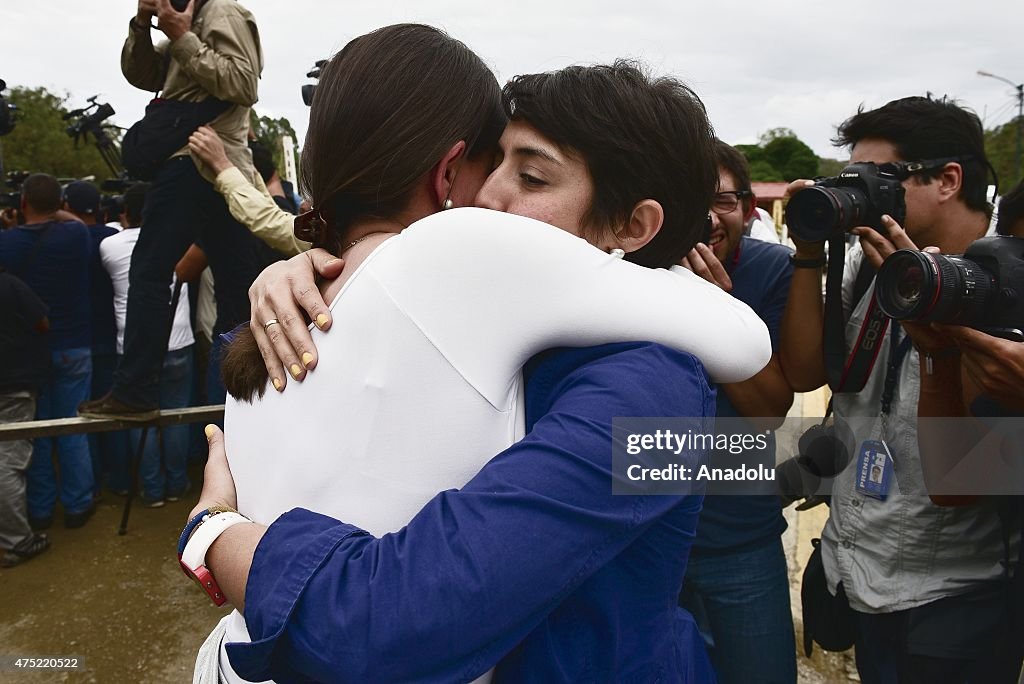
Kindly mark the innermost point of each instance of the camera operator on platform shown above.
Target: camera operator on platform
(923, 580)
(212, 59)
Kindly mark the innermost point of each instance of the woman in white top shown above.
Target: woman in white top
(422, 383)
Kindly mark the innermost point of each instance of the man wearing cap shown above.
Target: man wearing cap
(83, 200)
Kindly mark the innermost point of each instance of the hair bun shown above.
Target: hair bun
(311, 227)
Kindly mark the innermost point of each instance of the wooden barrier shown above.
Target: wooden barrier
(58, 427)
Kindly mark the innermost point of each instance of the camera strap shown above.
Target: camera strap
(897, 352)
(849, 372)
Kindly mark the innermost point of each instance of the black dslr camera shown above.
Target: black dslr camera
(858, 196)
(983, 288)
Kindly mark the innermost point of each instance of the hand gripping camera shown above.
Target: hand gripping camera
(858, 196)
(983, 288)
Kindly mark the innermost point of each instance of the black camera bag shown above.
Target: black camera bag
(829, 621)
(164, 130)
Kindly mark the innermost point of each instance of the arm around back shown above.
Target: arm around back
(478, 568)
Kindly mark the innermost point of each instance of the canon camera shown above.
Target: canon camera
(981, 288)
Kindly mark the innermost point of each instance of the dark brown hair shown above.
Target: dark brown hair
(388, 107)
(1011, 210)
(640, 137)
(922, 128)
(42, 193)
(733, 161)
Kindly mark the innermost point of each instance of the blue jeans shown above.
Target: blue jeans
(181, 208)
(68, 387)
(170, 476)
(741, 603)
(102, 444)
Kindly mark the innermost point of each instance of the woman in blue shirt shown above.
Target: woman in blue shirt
(533, 565)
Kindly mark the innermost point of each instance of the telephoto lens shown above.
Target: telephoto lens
(926, 287)
(818, 213)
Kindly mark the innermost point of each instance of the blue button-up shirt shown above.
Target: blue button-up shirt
(534, 563)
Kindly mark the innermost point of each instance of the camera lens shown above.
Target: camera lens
(817, 213)
(925, 287)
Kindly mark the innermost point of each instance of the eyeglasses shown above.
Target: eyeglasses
(726, 202)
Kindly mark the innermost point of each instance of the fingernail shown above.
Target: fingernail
(209, 430)
(307, 359)
(331, 262)
(886, 217)
(808, 183)
(296, 370)
(321, 320)
(277, 384)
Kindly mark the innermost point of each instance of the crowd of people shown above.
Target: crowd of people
(482, 279)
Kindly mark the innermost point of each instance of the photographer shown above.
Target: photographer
(210, 63)
(922, 580)
(737, 576)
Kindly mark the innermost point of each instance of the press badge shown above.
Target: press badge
(874, 469)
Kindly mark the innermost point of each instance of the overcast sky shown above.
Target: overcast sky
(757, 65)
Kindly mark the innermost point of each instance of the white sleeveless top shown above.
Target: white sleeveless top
(419, 383)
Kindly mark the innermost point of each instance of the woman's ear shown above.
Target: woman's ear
(443, 175)
(644, 223)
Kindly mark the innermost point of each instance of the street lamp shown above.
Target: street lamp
(1019, 87)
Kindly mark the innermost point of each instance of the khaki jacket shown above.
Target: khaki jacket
(220, 56)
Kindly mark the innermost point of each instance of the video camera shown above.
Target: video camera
(12, 199)
(88, 119)
(310, 88)
(7, 112)
(983, 288)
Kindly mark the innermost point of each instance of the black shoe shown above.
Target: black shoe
(110, 407)
(73, 521)
(38, 524)
(25, 550)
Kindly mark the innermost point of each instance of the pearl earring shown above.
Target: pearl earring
(447, 204)
(617, 253)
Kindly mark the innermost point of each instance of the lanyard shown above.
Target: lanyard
(897, 352)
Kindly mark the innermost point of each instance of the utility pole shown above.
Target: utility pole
(1019, 87)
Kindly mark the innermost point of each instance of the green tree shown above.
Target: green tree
(791, 157)
(780, 156)
(1001, 150)
(39, 142)
(829, 167)
(269, 132)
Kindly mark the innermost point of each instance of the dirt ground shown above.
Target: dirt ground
(120, 604)
(123, 606)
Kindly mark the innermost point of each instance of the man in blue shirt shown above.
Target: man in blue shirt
(83, 200)
(736, 583)
(52, 253)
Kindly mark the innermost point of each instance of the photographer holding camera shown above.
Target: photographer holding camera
(923, 581)
(985, 364)
(208, 72)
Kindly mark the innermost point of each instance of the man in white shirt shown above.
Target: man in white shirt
(170, 481)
